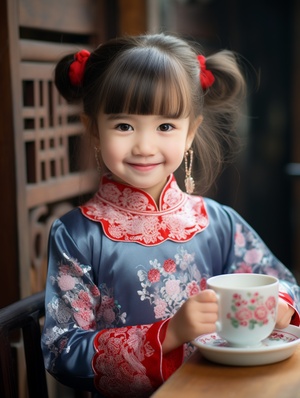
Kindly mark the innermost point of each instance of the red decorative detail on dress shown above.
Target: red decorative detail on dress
(286, 297)
(131, 215)
(117, 363)
(128, 362)
(296, 317)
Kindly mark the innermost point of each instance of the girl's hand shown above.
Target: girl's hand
(198, 315)
(284, 314)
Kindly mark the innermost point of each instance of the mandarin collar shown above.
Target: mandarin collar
(134, 199)
(129, 214)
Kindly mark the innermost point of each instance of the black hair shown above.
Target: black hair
(160, 74)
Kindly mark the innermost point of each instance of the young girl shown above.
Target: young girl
(127, 270)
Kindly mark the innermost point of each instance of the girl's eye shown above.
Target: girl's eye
(165, 127)
(124, 127)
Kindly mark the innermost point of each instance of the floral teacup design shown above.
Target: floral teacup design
(247, 307)
(252, 310)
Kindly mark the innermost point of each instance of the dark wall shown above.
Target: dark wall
(261, 31)
(265, 39)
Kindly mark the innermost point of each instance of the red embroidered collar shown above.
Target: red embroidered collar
(129, 214)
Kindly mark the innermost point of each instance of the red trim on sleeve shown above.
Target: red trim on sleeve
(288, 299)
(173, 359)
(168, 363)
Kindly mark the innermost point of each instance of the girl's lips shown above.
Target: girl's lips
(143, 167)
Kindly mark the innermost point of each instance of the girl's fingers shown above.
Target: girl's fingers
(209, 318)
(207, 308)
(207, 295)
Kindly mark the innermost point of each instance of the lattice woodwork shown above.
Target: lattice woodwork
(51, 133)
(52, 137)
(51, 171)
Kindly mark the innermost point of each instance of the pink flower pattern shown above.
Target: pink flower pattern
(251, 255)
(170, 266)
(172, 287)
(193, 288)
(239, 239)
(160, 308)
(80, 302)
(66, 282)
(252, 310)
(168, 284)
(153, 275)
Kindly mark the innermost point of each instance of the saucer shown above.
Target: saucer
(280, 345)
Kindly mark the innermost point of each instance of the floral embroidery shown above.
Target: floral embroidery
(169, 266)
(251, 311)
(80, 305)
(252, 255)
(129, 214)
(78, 299)
(73, 307)
(129, 348)
(164, 289)
(81, 302)
(153, 275)
(56, 342)
(109, 312)
(127, 199)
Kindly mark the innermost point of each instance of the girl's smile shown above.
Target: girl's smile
(143, 167)
(143, 150)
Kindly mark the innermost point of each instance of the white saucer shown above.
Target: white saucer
(280, 345)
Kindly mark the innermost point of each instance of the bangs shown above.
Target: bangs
(146, 82)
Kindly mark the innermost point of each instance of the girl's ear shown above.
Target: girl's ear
(192, 131)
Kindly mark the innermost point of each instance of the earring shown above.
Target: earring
(189, 181)
(97, 151)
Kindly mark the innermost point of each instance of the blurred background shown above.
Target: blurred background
(40, 173)
(39, 133)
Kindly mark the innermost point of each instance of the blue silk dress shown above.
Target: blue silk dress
(120, 266)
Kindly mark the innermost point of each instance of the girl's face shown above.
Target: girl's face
(143, 150)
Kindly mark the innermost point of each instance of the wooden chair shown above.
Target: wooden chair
(22, 317)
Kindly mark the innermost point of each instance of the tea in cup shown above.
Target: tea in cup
(247, 307)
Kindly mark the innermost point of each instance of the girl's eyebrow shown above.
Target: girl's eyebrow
(116, 116)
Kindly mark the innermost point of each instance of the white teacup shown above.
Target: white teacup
(247, 307)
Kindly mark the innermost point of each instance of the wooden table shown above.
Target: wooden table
(200, 378)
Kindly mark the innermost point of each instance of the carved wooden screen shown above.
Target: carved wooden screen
(47, 129)
(51, 134)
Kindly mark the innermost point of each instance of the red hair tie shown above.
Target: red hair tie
(77, 67)
(206, 77)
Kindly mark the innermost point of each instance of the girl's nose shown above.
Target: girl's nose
(144, 145)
